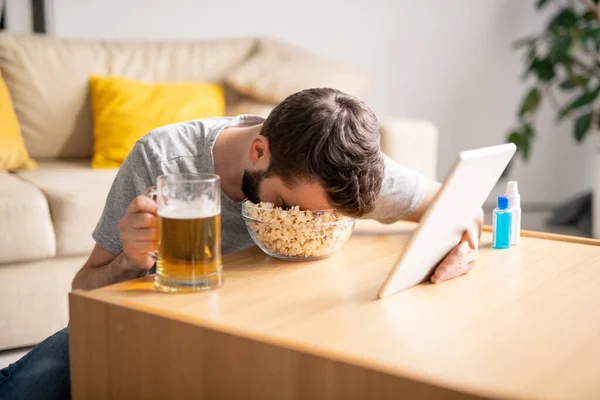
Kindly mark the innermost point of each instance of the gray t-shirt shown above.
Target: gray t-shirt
(187, 147)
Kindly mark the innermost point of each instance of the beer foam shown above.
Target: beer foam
(189, 212)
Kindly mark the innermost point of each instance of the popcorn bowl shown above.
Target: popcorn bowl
(296, 235)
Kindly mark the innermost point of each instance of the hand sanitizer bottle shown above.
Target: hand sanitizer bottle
(502, 224)
(514, 204)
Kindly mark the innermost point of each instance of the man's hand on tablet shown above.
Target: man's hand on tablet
(462, 258)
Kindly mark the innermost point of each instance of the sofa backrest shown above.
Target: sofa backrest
(48, 80)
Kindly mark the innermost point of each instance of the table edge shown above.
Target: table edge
(316, 351)
(553, 237)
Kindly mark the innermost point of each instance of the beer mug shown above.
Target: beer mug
(189, 232)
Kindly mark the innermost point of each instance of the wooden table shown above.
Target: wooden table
(524, 324)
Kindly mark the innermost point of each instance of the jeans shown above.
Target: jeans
(43, 373)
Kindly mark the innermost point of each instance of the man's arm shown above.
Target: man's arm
(138, 231)
(127, 229)
(431, 190)
(103, 268)
(404, 194)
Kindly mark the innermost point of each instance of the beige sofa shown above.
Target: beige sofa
(47, 214)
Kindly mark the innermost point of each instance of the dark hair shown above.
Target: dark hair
(333, 138)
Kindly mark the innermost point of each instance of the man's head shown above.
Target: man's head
(318, 149)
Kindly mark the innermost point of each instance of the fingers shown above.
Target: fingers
(471, 236)
(139, 235)
(142, 204)
(140, 253)
(140, 247)
(139, 221)
(460, 261)
(138, 242)
(138, 231)
(141, 214)
(142, 261)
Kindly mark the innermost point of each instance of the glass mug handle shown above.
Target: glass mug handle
(152, 193)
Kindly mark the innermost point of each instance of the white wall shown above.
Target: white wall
(18, 16)
(446, 61)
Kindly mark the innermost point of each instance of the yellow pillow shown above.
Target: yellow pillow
(124, 110)
(13, 154)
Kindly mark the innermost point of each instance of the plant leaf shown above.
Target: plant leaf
(531, 102)
(531, 54)
(528, 131)
(526, 41)
(582, 126)
(589, 16)
(590, 32)
(580, 80)
(541, 3)
(543, 68)
(567, 85)
(573, 82)
(568, 66)
(564, 19)
(522, 140)
(514, 137)
(589, 37)
(583, 100)
(592, 35)
(561, 47)
(525, 146)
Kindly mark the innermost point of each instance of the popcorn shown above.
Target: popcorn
(296, 234)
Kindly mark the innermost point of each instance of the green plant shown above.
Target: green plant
(563, 58)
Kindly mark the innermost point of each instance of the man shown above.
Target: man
(318, 149)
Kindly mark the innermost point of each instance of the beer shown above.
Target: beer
(189, 232)
(189, 249)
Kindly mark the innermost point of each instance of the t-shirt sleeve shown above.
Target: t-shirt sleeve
(401, 193)
(133, 179)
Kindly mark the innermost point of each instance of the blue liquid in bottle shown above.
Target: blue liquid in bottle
(502, 224)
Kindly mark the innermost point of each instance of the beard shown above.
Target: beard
(251, 184)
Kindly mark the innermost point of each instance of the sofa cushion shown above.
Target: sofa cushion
(48, 80)
(76, 195)
(126, 109)
(278, 70)
(13, 154)
(26, 231)
(35, 300)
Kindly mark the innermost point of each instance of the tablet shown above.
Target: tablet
(451, 212)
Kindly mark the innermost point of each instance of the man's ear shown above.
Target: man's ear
(259, 153)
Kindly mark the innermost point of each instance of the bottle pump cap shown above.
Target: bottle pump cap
(512, 192)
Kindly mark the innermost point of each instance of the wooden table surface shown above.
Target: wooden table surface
(524, 324)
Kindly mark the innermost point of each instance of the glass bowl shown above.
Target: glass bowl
(296, 235)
